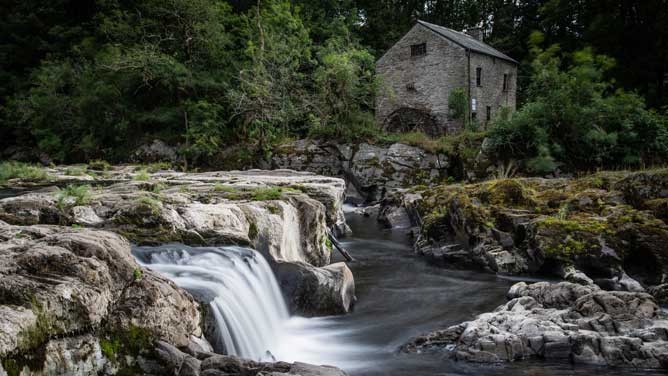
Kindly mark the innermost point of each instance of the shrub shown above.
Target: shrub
(18, 170)
(457, 104)
(575, 119)
(99, 165)
(73, 195)
(76, 170)
(151, 203)
(142, 175)
(158, 166)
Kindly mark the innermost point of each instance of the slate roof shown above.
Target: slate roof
(466, 41)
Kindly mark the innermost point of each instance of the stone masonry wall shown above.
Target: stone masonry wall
(491, 92)
(425, 82)
(433, 76)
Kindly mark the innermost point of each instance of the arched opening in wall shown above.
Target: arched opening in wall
(406, 119)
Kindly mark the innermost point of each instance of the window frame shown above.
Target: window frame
(505, 82)
(419, 49)
(478, 76)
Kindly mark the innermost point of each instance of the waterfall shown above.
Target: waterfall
(250, 315)
(243, 295)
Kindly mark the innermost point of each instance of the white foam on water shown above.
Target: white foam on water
(250, 312)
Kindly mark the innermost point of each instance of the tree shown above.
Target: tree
(577, 119)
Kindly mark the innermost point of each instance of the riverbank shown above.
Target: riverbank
(75, 301)
(604, 234)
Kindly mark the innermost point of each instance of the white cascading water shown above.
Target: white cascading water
(246, 301)
(250, 313)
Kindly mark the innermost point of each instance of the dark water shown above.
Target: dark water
(400, 296)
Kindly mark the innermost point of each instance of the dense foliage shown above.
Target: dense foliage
(193, 73)
(89, 79)
(577, 120)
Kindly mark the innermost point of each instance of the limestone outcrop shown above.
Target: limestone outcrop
(58, 282)
(605, 229)
(285, 215)
(372, 171)
(70, 288)
(560, 321)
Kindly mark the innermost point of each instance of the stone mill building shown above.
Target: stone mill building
(421, 71)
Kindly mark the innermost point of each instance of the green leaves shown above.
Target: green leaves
(575, 120)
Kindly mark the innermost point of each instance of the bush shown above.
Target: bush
(576, 120)
(142, 175)
(99, 165)
(76, 170)
(73, 195)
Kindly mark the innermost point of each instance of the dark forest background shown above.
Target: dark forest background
(84, 79)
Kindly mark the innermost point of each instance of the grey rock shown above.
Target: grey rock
(562, 322)
(312, 291)
(371, 171)
(86, 278)
(395, 217)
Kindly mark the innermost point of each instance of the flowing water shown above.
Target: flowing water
(399, 296)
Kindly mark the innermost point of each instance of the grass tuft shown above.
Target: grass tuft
(18, 170)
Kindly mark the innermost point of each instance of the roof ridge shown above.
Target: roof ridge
(468, 42)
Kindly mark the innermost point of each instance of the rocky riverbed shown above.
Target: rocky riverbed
(74, 300)
(605, 234)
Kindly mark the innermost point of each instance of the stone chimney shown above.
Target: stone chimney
(475, 32)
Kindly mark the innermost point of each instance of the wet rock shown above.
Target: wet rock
(660, 293)
(562, 322)
(173, 315)
(573, 275)
(231, 365)
(312, 291)
(395, 217)
(59, 281)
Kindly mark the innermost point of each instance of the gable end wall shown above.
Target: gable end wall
(432, 76)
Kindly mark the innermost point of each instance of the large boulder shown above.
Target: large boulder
(312, 291)
(605, 229)
(560, 322)
(60, 282)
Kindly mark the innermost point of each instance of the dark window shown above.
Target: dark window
(478, 76)
(419, 49)
(489, 113)
(474, 116)
(505, 82)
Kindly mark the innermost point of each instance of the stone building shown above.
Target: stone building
(421, 71)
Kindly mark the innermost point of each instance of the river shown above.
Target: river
(399, 296)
